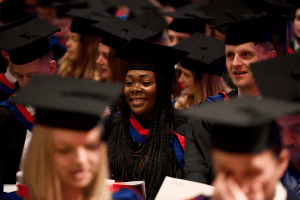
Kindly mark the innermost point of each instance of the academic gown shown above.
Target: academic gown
(291, 180)
(179, 124)
(198, 166)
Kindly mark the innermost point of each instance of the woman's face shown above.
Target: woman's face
(187, 77)
(77, 156)
(73, 45)
(103, 62)
(140, 92)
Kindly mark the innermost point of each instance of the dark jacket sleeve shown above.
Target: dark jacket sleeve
(180, 123)
(12, 138)
(198, 165)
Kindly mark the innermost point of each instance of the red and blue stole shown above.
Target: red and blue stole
(6, 86)
(139, 134)
(21, 113)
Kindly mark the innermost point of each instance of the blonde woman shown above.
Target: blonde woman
(67, 157)
(201, 69)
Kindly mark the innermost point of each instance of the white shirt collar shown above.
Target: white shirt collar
(239, 95)
(9, 76)
(297, 45)
(281, 193)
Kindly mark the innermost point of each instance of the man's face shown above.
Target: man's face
(253, 175)
(238, 60)
(290, 133)
(176, 37)
(24, 73)
(297, 24)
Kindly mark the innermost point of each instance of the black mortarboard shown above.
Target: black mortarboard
(206, 54)
(117, 32)
(188, 22)
(67, 102)
(144, 55)
(26, 40)
(279, 77)
(151, 20)
(10, 12)
(244, 125)
(252, 29)
(84, 18)
(225, 11)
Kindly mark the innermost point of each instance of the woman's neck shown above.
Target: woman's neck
(71, 193)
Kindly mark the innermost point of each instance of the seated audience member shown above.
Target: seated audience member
(145, 137)
(247, 41)
(295, 43)
(82, 46)
(67, 156)
(116, 33)
(283, 83)
(201, 69)
(25, 43)
(248, 165)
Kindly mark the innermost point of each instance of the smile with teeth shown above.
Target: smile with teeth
(138, 102)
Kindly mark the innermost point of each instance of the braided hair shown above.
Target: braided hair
(155, 160)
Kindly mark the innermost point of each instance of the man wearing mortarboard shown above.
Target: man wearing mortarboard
(25, 43)
(247, 155)
(284, 83)
(247, 41)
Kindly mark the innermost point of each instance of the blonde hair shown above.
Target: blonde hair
(40, 177)
(85, 65)
(210, 85)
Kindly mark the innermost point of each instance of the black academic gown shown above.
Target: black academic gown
(198, 166)
(180, 124)
(12, 139)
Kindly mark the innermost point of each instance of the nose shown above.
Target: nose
(25, 80)
(180, 80)
(99, 59)
(237, 61)
(136, 88)
(80, 156)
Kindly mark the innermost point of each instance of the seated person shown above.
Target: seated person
(67, 155)
(26, 45)
(142, 139)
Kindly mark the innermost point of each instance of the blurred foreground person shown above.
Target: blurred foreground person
(248, 166)
(67, 157)
(25, 43)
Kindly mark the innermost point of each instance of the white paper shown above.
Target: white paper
(178, 189)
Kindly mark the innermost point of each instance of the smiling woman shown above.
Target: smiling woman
(142, 135)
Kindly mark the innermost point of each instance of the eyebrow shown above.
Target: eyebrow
(143, 75)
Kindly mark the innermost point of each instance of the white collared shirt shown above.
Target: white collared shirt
(9, 76)
(281, 193)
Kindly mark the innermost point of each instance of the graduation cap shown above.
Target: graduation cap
(252, 29)
(117, 32)
(244, 125)
(279, 77)
(188, 22)
(84, 18)
(225, 11)
(26, 40)
(67, 102)
(206, 54)
(144, 55)
(152, 20)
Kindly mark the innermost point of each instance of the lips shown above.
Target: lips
(137, 101)
(239, 73)
(79, 174)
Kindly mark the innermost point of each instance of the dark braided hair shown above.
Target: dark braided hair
(155, 161)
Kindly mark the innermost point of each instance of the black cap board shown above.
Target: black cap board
(84, 18)
(26, 40)
(188, 22)
(152, 20)
(117, 32)
(66, 102)
(144, 55)
(252, 29)
(206, 54)
(279, 77)
(224, 11)
(244, 125)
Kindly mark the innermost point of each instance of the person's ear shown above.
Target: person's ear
(52, 67)
(284, 160)
(5, 54)
(271, 54)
